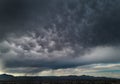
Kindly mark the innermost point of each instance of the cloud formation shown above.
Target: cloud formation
(58, 34)
(43, 53)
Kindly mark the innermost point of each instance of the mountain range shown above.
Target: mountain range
(71, 77)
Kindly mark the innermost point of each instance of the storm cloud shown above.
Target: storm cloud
(58, 34)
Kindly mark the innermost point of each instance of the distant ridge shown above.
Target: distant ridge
(5, 76)
(71, 77)
(9, 79)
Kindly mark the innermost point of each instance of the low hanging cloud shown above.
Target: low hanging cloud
(92, 69)
(38, 35)
(48, 52)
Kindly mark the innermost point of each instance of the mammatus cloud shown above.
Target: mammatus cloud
(41, 35)
(45, 53)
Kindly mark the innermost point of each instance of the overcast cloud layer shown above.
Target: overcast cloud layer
(58, 34)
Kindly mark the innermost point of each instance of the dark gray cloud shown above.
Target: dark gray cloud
(19, 15)
(53, 34)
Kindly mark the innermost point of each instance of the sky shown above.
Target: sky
(60, 37)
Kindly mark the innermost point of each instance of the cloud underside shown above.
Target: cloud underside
(43, 36)
(45, 53)
(101, 69)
